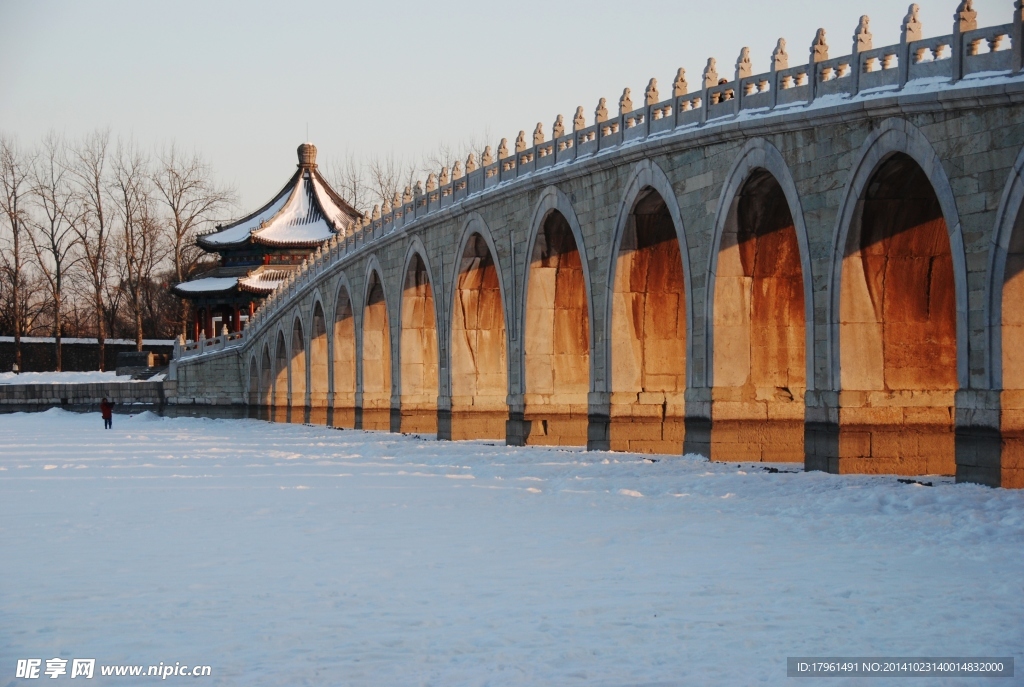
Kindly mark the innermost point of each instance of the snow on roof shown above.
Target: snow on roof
(263, 281)
(300, 221)
(239, 232)
(207, 285)
(335, 214)
(305, 213)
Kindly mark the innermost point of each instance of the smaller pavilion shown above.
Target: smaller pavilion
(260, 250)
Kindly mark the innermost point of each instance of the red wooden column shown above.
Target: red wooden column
(196, 315)
(238, 320)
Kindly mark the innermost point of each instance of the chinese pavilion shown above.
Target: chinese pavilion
(260, 250)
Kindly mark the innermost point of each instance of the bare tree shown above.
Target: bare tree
(15, 185)
(192, 199)
(382, 176)
(132, 193)
(446, 154)
(349, 179)
(93, 230)
(53, 235)
(389, 175)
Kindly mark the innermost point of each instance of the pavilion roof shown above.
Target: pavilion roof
(303, 214)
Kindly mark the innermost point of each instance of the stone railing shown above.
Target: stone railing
(188, 349)
(937, 62)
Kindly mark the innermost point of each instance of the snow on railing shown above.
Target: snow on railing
(188, 349)
(867, 70)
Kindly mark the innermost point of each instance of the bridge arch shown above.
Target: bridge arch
(898, 249)
(478, 351)
(418, 381)
(297, 362)
(1003, 270)
(1005, 319)
(556, 362)
(647, 358)
(759, 312)
(253, 387)
(318, 380)
(266, 376)
(375, 353)
(342, 359)
(281, 370)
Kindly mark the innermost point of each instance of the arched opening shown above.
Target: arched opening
(253, 398)
(556, 339)
(297, 370)
(376, 358)
(344, 410)
(1011, 421)
(898, 348)
(760, 363)
(318, 380)
(648, 333)
(266, 378)
(418, 351)
(479, 373)
(281, 369)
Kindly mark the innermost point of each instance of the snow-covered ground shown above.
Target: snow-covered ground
(294, 555)
(61, 377)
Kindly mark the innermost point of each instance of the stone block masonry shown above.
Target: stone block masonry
(20, 396)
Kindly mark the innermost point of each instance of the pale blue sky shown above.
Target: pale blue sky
(240, 81)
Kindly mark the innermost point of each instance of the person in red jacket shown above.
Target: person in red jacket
(107, 411)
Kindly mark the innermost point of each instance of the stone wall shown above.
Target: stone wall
(38, 354)
(19, 396)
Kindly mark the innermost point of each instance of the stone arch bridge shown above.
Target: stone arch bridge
(822, 263)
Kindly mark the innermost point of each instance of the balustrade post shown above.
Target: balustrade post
(819, 53)
(909, 32)
(743, 70)
(780, 61)
(965, 19)
(710, 80)
(862, 41)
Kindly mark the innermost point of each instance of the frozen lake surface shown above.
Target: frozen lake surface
(295, 555)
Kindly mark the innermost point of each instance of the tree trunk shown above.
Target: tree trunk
(101, 334)
(56, 330)
(16, 286)
(138, 319)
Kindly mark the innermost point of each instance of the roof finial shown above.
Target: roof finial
(307, 155)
